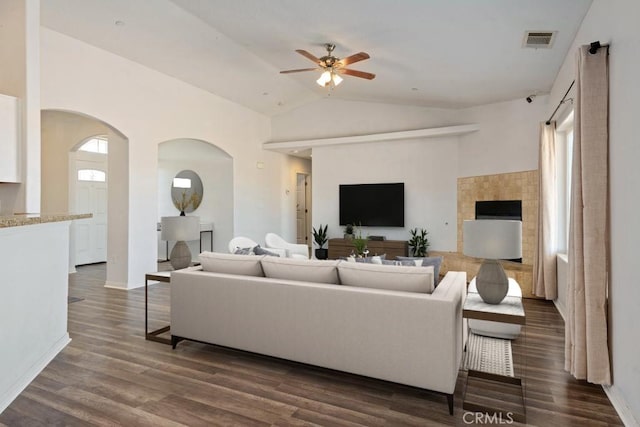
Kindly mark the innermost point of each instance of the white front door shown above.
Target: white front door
(91, 197)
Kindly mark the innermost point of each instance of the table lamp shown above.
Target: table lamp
(492, 239)
(180, 229)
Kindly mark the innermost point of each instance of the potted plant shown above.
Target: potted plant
(419, 242)
(348, 231)
(360, 243)
(320, 237)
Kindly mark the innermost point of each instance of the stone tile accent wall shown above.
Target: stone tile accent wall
(508, 186)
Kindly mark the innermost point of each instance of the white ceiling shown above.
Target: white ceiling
(434, 53)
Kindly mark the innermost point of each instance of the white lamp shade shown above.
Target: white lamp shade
(180, 228)
(324, 79)
(492, 238)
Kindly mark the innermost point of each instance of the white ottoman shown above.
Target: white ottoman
(496, 329)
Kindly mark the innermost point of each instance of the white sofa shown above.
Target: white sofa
(406, 337)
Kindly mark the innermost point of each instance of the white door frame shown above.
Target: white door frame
(307, 206)
(82, 160)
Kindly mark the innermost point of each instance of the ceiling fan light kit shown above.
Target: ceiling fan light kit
(332, 66)
(328, 77)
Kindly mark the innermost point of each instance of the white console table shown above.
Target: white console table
(205, 228)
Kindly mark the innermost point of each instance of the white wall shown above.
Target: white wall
(507, 140)
(61, 132)
(149, 107)
(215, 169)
(616, 22)
(33, 302)
(430, 184)
(332, 118)
(20, 77)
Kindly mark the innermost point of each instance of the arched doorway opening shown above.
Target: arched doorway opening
(65, 173)
(214, 166)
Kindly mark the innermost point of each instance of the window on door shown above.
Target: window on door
(92, 175)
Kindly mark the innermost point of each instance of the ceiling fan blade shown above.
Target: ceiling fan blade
(355, 73)
(360, 56)
(298, 70)
(308, 55)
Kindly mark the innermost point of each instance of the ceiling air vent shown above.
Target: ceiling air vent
(539, 39)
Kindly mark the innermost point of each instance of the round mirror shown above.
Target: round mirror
(186, 191)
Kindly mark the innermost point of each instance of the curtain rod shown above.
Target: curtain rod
(593, 48)
(548, 122)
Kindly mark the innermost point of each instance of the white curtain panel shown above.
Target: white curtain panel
(544, 263)
(586, 348)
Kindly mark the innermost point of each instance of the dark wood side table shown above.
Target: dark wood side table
(510, 310)
(160, 276)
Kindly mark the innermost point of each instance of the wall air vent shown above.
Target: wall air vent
(539, 39)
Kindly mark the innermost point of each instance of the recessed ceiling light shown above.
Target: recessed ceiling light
(120, 23)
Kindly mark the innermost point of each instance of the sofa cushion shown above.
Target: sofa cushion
(434, 261)
(244, 265)
(395, 278)
(301, 269)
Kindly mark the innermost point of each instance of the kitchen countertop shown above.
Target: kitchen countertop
(18, 220)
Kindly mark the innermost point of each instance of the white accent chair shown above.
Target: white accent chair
(293, 250)
(241, 242)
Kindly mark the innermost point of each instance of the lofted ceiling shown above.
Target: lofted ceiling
(432, 53)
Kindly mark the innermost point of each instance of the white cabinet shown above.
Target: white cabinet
(9, 139)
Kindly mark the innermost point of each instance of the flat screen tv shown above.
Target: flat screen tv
(373, 205)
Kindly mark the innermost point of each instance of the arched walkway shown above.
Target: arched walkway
(214, 166)
(62, 132)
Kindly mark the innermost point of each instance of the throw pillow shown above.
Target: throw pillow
(399, 263)
(372, 259)
(243, 251)
(434, 261)
(262, 251)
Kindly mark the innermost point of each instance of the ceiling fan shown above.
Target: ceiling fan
(332, 67)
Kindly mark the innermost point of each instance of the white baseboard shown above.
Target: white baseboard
(22, 383)
(620, 404)
(122, 286)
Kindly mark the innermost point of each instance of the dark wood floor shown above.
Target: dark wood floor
(110, 375)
